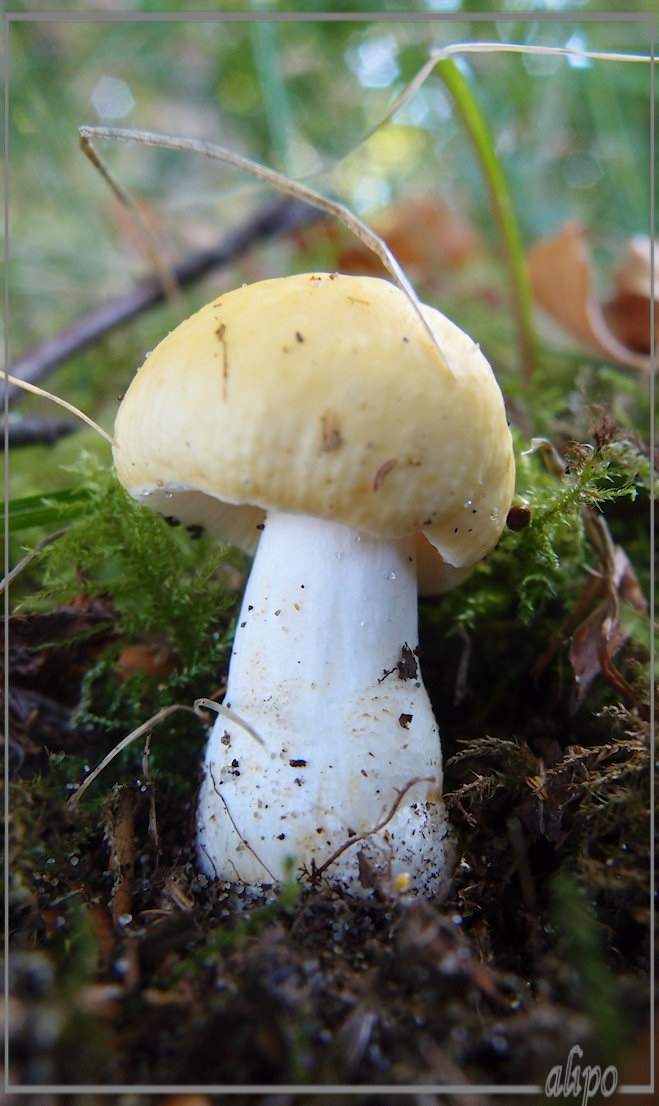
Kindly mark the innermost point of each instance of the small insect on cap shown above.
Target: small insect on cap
(323, 395)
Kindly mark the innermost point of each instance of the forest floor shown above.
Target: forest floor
(129, 967)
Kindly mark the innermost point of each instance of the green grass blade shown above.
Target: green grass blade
(478, 131)
(50, 509)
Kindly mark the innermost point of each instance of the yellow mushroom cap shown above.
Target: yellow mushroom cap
(323, 395)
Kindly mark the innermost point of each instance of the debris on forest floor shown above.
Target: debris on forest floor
(319, 989)
(563, 280)
(130, 967)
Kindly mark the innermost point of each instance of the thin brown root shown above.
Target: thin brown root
(244, 840)
(376, 829)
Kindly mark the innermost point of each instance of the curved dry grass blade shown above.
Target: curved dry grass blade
(283, 184)
(210, 704)
(163, 713)
(22, 564)
(60, 402)
(454, 48)
(165, 274)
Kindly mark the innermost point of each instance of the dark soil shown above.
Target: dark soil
(128, 968)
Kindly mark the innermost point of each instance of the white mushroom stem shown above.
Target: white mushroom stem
(324, 669)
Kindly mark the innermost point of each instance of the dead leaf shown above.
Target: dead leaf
(601, 635)
(148, 659)
(426, 237)
(630, 311)
(561, 275)
(544, 811)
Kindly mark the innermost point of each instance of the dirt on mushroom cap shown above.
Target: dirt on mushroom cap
(323, 394)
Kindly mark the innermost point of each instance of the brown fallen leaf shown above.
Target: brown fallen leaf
(148, 659)
(601, 635)
(596, 637)
(631, 310)
(561, 275)
(427, 238)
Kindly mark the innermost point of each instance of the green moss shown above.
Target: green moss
(546, 564)
(160, 581)
(160, 587)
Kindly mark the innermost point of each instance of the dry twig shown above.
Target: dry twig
(277, 218)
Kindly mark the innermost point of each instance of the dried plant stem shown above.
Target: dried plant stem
(317, 872)
(17, 569)
(454, 48)
(283, 184)
(164, 271)
(219, 708)
(159, 716)
(60, 402)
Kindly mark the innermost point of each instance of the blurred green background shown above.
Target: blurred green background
(571, 136)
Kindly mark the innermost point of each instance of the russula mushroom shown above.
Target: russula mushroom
(314, 416)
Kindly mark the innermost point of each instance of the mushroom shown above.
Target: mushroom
(312, 420)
